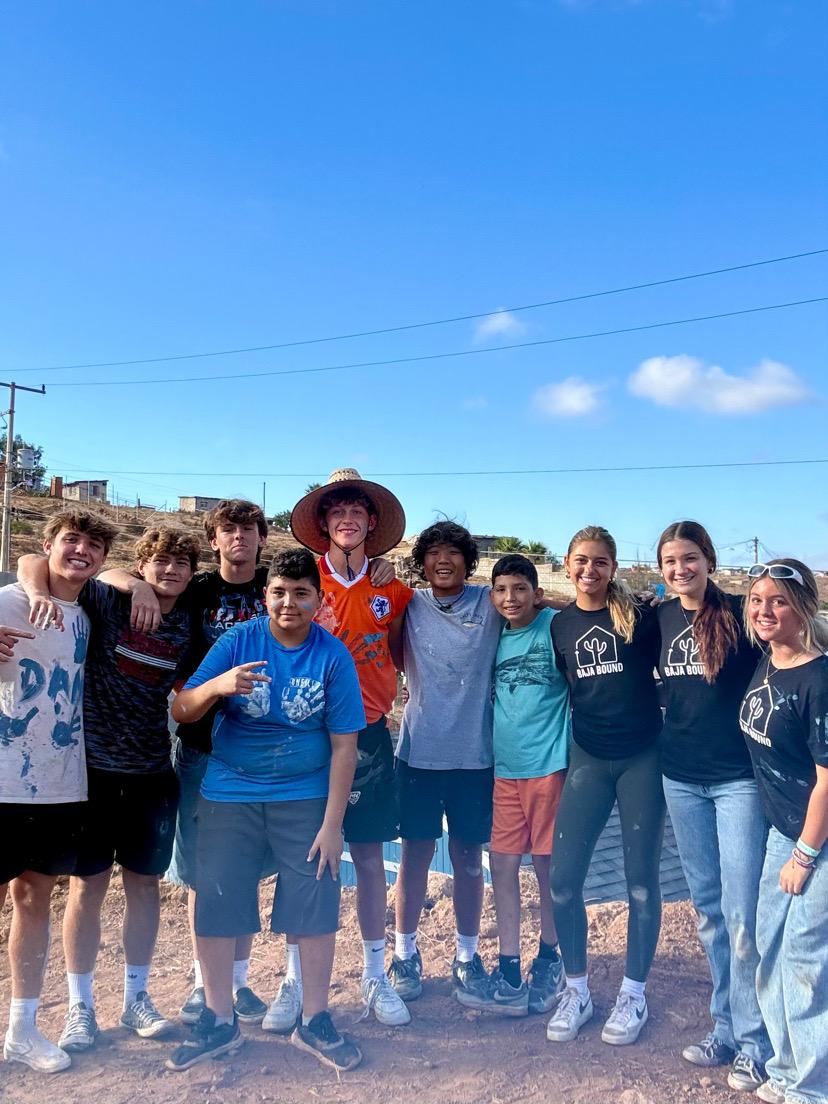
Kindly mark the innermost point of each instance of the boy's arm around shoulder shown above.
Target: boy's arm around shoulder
(33, 577)
(146, 612)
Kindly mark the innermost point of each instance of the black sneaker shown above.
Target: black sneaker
(405, 975)
(546, 983)
(493, 993)
(710, 1052)
(193, 1006)
(468, 975)
(321, 1038)
(248, 1007)
(207, 1040)
(746, 1074)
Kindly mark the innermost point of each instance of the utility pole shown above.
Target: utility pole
(264, 499)
(5, 544)
(756, 550)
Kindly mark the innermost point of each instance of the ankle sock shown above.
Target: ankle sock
(241, 968)
(223, 1020)
(580, 985)
(198, 980)
(633, 988)
(373, 958)
(293, 967)
(509, 966)
(80, 989)
(466, 947)
(306, 1020)
(405, 945)
(136, 979)
(23, 1015)
(548, 950)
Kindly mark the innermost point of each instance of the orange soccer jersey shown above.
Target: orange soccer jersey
(359, 614)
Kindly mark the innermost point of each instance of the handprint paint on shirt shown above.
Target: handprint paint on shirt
(81, 635)
(301, 698)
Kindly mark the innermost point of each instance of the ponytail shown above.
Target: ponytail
(716, 631)
(622, 607)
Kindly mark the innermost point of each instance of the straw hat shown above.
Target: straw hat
(304, 522)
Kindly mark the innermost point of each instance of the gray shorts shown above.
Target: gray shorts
(233, 840)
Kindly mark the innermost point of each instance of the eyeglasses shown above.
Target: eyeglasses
(775, 571)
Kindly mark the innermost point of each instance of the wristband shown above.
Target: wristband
(799, 862)
(806, 850)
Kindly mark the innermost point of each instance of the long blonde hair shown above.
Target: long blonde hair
(621, 601)
(804, 598)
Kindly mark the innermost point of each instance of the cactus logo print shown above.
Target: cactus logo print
(755, 715)
(596, 653)
(683, 655)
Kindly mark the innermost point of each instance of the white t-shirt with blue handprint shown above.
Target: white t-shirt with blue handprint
(42, 754)
(274, 744)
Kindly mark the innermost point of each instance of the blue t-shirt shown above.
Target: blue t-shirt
(274, 744)
(532, 724)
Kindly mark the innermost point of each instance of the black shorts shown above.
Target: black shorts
(129, 819)
(464, 796)
(233, 839)
(41, 838)
(373, 813)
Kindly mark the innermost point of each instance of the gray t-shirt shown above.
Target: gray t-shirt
(449, 658)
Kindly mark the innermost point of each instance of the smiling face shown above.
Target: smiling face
(772, 616)
(238, 543)
(168, 573)
(291, 604)
(514, 598)
(685, 568)
(591, 568)
(74, 557)
(444, 567)
(348, 524)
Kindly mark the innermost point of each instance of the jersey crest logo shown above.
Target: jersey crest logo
(353, 797)
(381, 606)
(596, 647)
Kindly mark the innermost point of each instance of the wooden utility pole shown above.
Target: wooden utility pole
(756, 550)
(5, 543)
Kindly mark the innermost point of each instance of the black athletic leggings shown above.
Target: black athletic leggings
(591, 788)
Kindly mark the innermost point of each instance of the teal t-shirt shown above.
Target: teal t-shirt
(532, 725)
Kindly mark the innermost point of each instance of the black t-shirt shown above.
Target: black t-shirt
(215, 606)
(701, 741)
(129, 677)
(784, 720)
(615, 710)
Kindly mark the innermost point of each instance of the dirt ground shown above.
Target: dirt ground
(448, 1054)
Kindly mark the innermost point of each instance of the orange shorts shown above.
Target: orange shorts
(524, 814)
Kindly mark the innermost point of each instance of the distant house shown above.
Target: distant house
(191, 504)
(86, 490)
(485, 544)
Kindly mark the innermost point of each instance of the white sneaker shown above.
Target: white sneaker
(625, 1021)
(570, 1016)
(35, 1050)
(388, 1006)
(283, 1013)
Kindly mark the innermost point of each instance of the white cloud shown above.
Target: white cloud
(499, 324)
(477, 402)
(572, 398)
(685, 381)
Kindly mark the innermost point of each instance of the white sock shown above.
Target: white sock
(633, 988)
(580, 985)
(198, 980)
(80, 989)
(405, 946)
(23, 1016)
(373, 958)
(293, 969)
(136, 979)
(240, 969)
(466, 947)
(306, 1020)
(223, 1020)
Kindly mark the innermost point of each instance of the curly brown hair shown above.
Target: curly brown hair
(234, 511)
(164, 538)
(78, 520)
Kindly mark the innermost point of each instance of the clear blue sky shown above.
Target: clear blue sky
(185, 177)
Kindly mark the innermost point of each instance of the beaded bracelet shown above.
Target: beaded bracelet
(806, 850)
(802, 860)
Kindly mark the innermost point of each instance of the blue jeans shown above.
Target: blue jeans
(720, 831)
(190, 766)
(792, 982)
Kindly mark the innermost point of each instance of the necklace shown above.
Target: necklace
(688, 620)
(445, 607)
(769, 674)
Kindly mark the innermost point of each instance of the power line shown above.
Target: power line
(436, 322)
(444, 356)
(422, 475)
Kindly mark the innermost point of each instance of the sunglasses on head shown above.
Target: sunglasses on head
(775, 571)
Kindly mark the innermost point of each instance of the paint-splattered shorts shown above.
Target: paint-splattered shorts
(129, 819)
